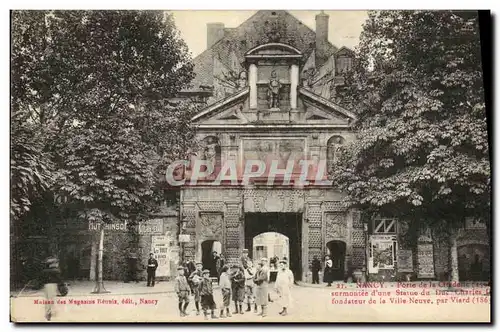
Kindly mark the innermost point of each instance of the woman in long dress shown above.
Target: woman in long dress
(284, 282)
(328, 275)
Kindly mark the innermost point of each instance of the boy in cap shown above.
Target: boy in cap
(250, 286)
(207, 295)
(225, 286)
(238, 287)
(195, 278)
(182, 289)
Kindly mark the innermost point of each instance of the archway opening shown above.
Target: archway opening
(337, 251)
(208, 247)
(271, 244)
(283, 229)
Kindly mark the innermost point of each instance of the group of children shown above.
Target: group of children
(236, 283)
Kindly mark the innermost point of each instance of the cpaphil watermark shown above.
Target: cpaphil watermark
(298, 173)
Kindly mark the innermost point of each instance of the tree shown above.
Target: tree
(421, 152)
(110, 77)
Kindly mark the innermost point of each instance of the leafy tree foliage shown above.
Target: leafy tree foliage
(103, 83)
(422, 150)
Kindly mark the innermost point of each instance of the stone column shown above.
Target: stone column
(93, 260)
(233, 228)
(252, 82)
(189, 213)
(294, 82)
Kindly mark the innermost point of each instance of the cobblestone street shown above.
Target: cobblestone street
(310, 304)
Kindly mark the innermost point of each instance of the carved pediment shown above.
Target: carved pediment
(225, 111)
(314, 114)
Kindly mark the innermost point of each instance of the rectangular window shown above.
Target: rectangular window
(385, 226)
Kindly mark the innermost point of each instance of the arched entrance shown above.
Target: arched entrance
(285, 225)
(207, 248)
(337, 251)
(270, 244)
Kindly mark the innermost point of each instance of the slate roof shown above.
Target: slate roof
(251, 33)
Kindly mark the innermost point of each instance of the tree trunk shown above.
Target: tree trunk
(453, 268)
(99, 287)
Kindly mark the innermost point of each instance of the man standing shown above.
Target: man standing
(220, 263)
(244, 258)
(51, 278)
(315, 268)
(261, 279)
(328, 274)
(214, 273)
(196, 278)
(190, 267)
(152, 266)
(284, 282)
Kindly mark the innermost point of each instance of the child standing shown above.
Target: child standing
(225, 286)
(195, 278)
(182, 289)
(238, 288)
(207, 295)
(250, 286)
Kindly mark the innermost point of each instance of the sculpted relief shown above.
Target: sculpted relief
(336, 226)
(211, 225)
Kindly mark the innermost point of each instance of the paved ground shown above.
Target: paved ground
(138, 303)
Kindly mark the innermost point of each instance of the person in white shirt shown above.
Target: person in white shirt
(284, 282)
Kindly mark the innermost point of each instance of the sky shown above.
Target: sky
(344, 26)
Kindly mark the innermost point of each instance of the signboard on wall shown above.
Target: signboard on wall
(151, 227)
(425, 258)
(405, 261)
(159, 245)
(383, 252)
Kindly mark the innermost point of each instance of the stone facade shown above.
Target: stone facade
(324, 218)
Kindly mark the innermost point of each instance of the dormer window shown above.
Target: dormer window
(343, 61)
(343, 64)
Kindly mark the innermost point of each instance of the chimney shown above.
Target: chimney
(215, 32)
(321, 38)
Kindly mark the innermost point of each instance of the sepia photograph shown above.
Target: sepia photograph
(250, 166)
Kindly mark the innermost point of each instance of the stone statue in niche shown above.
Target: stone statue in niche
(211, 152)
(333, 150)
(242, 80)
(273, 93)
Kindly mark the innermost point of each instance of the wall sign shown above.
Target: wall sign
(425, 258)
(383, 252)
(150, 227)
(405, 261)
(159, 245)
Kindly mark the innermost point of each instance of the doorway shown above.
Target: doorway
(207, 248)
(287, 226)
(336, 251)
